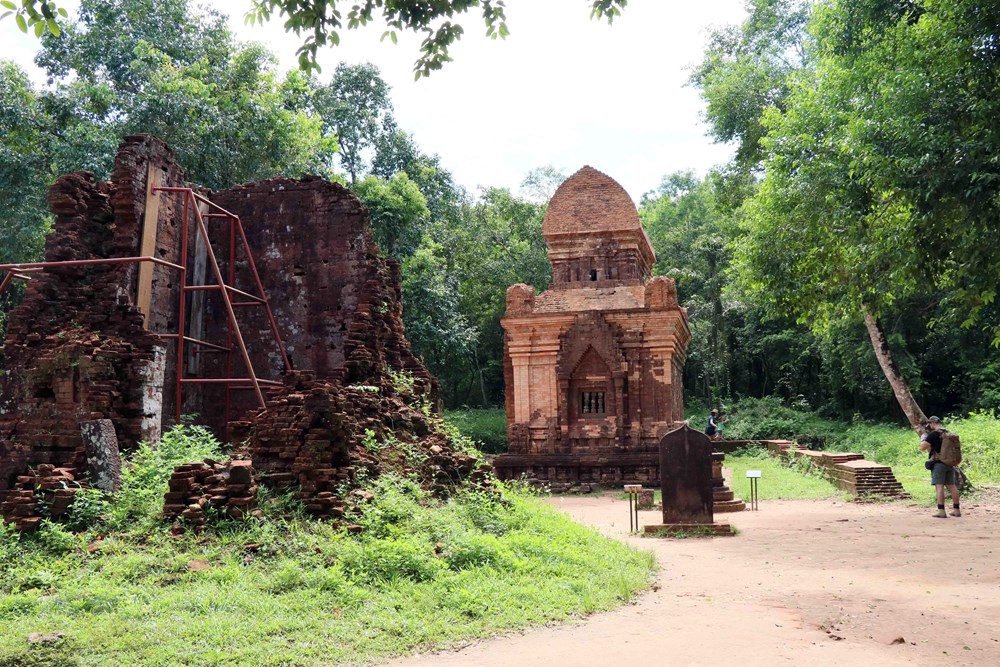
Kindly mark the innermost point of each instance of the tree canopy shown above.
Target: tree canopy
(321, 22)
(877, 147)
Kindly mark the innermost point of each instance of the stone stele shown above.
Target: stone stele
(687, 485)
(104, 461)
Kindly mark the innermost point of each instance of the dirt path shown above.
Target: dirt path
(818, 583)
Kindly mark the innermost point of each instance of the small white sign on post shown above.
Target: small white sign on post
(753, 473)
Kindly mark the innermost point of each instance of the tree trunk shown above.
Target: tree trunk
(479, 372)
(896, 380)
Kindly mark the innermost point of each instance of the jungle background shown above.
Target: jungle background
(864, 190)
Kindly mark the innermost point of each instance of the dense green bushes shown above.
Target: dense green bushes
(487, 427)
(770, 418)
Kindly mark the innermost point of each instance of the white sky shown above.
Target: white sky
(562, 89)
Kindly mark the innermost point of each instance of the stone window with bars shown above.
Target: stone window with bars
(592, 403)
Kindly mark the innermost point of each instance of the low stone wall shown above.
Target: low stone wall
(848, 471)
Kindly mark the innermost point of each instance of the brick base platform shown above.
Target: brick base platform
(614, 469)
(689, 530)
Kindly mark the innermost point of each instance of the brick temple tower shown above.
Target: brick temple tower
(593, 365)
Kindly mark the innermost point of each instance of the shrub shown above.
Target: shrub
(396, 500)
(488, 512)
(486, 426)
(474, 550)
(88, 508)
(145, 473)
(54, 537)
(292, 575)
(41, 579)
(770, 418)
(386, 560)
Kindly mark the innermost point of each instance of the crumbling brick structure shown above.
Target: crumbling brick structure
(336, 301)
(592, 365)
(196, 488)
(76, 348)
(94, 342)
(44, 485)
(323, 437)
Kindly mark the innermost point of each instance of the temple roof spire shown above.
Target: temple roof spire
(593, 232)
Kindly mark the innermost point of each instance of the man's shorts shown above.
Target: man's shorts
(943, 474)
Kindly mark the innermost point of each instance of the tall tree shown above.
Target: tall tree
(880, 182)
(690, 237)
(23, 168)
(357, 109)
(747, 69)
(398, 213)
(181, 75)
(541, 183)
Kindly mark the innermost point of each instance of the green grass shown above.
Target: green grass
(308, 594)
(290, 590)
(779, 480)
(486, 426)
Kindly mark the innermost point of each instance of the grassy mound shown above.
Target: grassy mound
(287, 589)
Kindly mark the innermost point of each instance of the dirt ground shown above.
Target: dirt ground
(804, 583)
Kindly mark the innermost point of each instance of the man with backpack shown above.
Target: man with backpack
(943, 454)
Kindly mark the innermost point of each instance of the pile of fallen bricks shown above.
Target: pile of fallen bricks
(319, 438)
(196, 489)
(45, 491)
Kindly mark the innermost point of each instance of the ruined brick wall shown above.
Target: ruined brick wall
(76, 348)
(322, 437)
(336, 301)
(79, 349)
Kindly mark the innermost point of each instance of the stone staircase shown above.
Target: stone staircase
(846, 470)
(865, 478)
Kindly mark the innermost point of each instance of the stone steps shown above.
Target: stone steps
(849, 471)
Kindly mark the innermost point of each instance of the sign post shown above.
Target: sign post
(633, 491)
(753, 476)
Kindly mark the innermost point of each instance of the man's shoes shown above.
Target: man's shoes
(940, 515)
(955, 512)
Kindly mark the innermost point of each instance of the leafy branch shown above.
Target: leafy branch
(38, 16)
(321, 22)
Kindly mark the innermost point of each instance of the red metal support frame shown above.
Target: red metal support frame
(181, 304)
(226, 289)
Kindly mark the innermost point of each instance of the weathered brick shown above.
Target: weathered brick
(592, 365)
